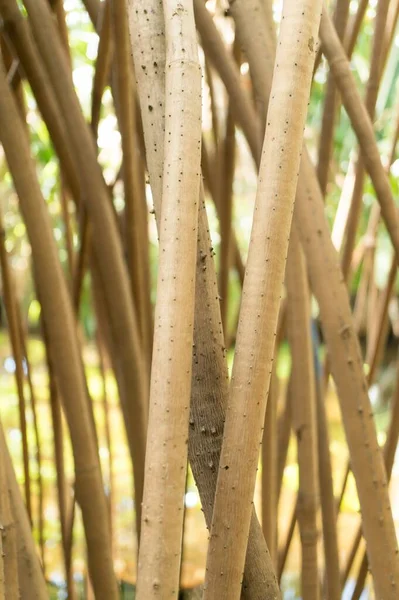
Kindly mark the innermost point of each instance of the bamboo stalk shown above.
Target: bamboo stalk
(37, 438)
(284, 434)
(102, 66)
(136, 238)
(327, 499)
(23, 42)
(303, 413)
(209, 391)
(326, 139)
(30, 576)
(361, 124)
(370, 103)
(354, 26)
(346, 366)
(10, 302)
(109, 257)
(215, 50)
(344, 349)
(269, 466)
(226, 177)
(8, 538)
(210, 186)
(58, 436)
(62, 335)
(389, 457)
(166, 459)
(283, 553)
(261, 300)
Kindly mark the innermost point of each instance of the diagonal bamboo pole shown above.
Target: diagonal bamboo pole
(62, 335)
(261, 299)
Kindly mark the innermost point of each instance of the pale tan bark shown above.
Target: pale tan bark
(261, 299)
(303, 413)
(209, 391)
(166, 459)
(347, 370)
(348, 373)
(269, 469)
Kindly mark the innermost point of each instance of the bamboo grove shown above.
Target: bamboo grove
(204, 95)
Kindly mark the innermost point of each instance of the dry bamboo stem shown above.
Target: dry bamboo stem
(303, 412)
(376, 340)
(214, 47)
(361, 124)
(9, 561)
(30, 575)
(62, 335)
(330, 104)
(166, 458)
(332, 587)
(210, 186)
(346, 366)
(226, 178)
(109, 257)
(261, 300)
(325, 275)
(37, 437)
(370, 103)
(126, 113)
(22, 40)
(210, 376)
(103, 65)
(214, 112)
(269, 466)
(284, 434)
(108, 435)
(11, 305)
(389, 457)
(58, 436)
(283, 554)
(354, 26)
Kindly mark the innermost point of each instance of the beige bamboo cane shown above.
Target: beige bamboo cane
(261, 298)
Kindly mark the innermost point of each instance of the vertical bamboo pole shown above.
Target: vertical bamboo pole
(166, 460)
(303, 411)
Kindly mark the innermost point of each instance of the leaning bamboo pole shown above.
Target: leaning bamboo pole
(9, 561)
(326, 280)
(30, 575)
(166, 459)
(361, 124)
(63, 340)
(370, 101)
(261, 299)
(10, 302)
(390, 448)
(109, 257)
